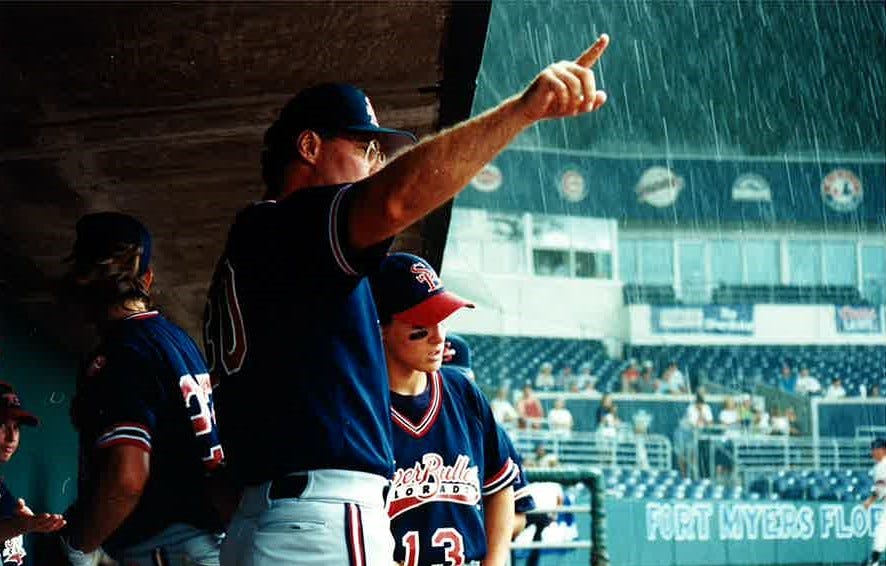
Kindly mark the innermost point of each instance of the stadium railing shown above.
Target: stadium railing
(756, 454)
(624, 449)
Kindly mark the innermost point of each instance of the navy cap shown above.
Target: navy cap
(457, 351)
(407, 288)
(99, 234)
(11, 406)
(878, 443)
(333, 107)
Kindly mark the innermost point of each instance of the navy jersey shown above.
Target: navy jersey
(13, 552)
(291, 333)
(147, 386)
(523, 500)
(449, 455)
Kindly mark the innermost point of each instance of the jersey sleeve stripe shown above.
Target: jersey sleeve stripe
(334, 242)
(504, 478)
(130, 433)
(125, 440)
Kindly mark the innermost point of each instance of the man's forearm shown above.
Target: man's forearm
(100, 517)
(432, 172)
(123, 475)
(499, 522)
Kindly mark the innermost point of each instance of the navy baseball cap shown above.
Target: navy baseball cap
(334, 107)
(11, 406)
(457, 351)
(100, 233)
(407, 288)
(878, 443)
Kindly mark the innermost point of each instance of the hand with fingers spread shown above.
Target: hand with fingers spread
(42, 523)
(565, 88)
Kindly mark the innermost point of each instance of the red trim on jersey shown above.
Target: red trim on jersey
(126, 441)
(417, 430)
(504, 478)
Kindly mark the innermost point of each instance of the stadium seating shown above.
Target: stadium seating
(514, 360)
(793, 485)
(740, 367)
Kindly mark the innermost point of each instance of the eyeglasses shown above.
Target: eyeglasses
(374, 154)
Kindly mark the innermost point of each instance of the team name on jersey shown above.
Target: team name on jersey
(431, 480)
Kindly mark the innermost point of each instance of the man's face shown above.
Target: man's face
(9, 437)
(347, 159)
(878, 453)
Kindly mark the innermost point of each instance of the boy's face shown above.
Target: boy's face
(9, 437)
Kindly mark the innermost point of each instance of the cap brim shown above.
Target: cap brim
(19, 415)
(392, 140)
(433, 310)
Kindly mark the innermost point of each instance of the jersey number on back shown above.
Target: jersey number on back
(447, 538)
(197, 393)
(223, 331)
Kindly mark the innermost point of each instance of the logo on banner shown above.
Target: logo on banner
(572, 186)
(488, 180)
(841, 190)
(751, 187)
(858, 320)
(709, 319)
(659, 187)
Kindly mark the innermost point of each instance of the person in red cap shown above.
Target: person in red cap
(451, 500)
(16, 519)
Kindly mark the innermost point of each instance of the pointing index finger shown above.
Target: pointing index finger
(593, 53)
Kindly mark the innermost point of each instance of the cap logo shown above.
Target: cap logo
(426, 276)
(371, 112)
(11, 400)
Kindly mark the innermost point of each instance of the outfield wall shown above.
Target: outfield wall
(714, 533)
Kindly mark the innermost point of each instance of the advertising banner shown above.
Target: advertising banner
(707, 319)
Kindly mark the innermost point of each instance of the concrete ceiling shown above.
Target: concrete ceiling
(158, 110)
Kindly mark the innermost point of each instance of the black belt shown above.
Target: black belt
(289, 487)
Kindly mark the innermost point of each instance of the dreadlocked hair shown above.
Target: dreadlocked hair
(114, 280)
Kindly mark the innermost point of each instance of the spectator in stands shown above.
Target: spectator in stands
(607, 417)
(673, 381)
(504, 413)
(782, 421)
(544, 459)
(629, 376)
(565, 378)
(729, 415)
(584, 376)
(807, 384)
(787, 382)
(646, 384)
(559, 418)
(835, 389)
(545, 381)
(529, 408)
(590, 386)
(761, 423)
(874, 393)
(698, 416)
(746, 411)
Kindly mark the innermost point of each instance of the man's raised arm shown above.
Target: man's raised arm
(432, 172)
